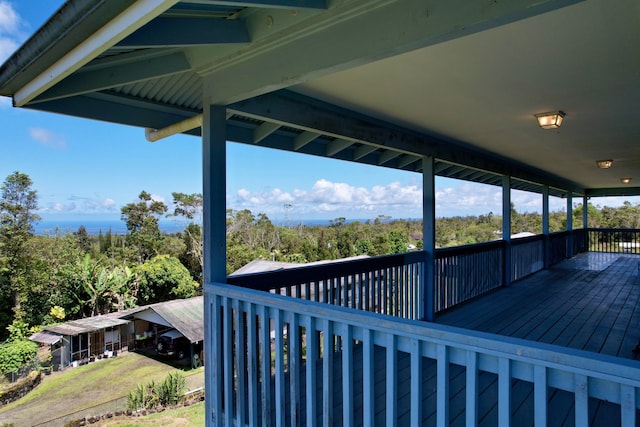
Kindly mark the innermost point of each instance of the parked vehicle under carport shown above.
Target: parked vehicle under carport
(172, 343)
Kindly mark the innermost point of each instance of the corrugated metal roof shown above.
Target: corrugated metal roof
(263, 265)
(186, 316)
(45, 337)
(90, 324)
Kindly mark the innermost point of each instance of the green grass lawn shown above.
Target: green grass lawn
(185, 416)
(78, 388)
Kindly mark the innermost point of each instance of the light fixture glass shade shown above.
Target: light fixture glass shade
(604, 164)
(625, 180)
(550, 120)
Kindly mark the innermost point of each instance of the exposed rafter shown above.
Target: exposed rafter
(124, 24)
(179, 32)
(406, 159)
(120, 72)
(363, 151)
(307, 114)
(303, 139)
(336, 146)
(281, 4)
(264, 130)
(387, 156)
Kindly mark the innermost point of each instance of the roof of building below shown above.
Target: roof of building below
(45, 337)
(263, 265)
(185, 315)
(88, 324)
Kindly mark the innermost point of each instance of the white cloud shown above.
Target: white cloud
(11, 33)
(58, 207)
(47, 138)
(333, 197)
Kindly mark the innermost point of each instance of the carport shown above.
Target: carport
(184, 315)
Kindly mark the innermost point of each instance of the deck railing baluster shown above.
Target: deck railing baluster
(234, 310)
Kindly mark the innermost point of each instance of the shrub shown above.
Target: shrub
(168, 392)
(14, 354)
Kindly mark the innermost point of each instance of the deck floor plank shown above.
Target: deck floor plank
(593, 310)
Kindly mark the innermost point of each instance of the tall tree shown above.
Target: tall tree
(163, 278)
(189, 207)
(18, 202)
(142, 219)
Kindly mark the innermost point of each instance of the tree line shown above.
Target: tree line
(64, 276)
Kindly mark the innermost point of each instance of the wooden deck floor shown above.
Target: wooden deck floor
(590, 303)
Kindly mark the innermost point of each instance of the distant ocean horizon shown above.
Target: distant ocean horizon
(95, 226)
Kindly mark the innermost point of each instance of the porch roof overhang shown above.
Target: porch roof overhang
(382, 83)
(87, 325)
(184, 315)
(44, 337)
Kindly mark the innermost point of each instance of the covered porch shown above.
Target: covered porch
(590, 302)
(553, 348)
(450, 89)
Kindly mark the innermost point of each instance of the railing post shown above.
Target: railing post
(214, 238)
(428, 237)
(506, 229)
(569, 253)
(545, 227)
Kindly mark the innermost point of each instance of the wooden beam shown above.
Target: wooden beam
(363, 150)
(386, 156)
(299, 111)
(303, 139)
(136, 15)
(337, 145)
(264, 130)
(122, 73)
(182, 32)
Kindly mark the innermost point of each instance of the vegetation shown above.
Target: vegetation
(105, 383)
(48, 279)
(192, 415)
(151, 395)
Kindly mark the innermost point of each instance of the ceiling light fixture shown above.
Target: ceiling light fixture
(604, 164)
(550, 120)
(625, 180)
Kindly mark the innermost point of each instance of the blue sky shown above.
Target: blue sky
(85, 169)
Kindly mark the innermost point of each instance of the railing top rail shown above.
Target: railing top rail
(469, 249)
(268, 280)
(552, 356)
(614, 230)
(527, 239)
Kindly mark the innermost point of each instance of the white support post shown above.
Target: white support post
(506, 228)
(214, 186)
(428, 237)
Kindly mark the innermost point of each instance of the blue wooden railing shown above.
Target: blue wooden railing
(611, 240)
(393, 284)
(275, 360)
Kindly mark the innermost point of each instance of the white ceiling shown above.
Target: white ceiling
(483, 89)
